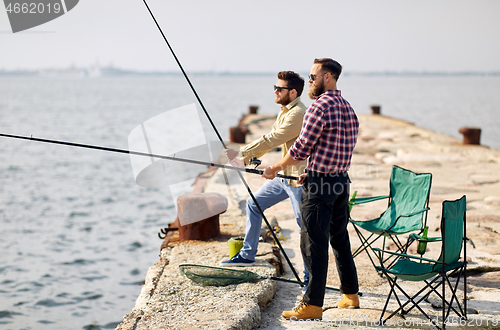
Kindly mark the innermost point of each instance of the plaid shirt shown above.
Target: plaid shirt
(328, 136)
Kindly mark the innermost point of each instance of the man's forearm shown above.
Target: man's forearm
(271, 171)
(286, 162)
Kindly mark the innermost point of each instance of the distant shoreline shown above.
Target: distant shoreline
(96, 72)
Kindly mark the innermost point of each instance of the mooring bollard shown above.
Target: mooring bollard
(472, 135)
(201, 230)
(375, 109)
(253, 109)
(192, 207)
(237, 134)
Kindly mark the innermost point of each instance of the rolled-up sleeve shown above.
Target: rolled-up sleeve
(285, 132)
(312, 128)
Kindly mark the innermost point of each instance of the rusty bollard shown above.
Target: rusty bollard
(472, 135)
(198, 215)
(237, 134)
(375, 109)
(253, 109)
(201, 230)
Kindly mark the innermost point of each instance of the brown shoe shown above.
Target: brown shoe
(304, 311)
(350, 301)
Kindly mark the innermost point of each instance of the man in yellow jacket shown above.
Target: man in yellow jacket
(285, 130)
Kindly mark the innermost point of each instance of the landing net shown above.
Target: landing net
(216, 276)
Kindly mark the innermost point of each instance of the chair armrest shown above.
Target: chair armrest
(418, 237)
(363, 200)
(407, 256)
(414, 213)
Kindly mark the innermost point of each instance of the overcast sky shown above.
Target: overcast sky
(263, 35)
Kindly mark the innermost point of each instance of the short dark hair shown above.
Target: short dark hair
(293, 80)
(329, 65)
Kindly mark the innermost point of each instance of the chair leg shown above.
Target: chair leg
(387, 300)
(409, 242)
(393, 258)
(365, 244)
(453, 289)
(443, 320)
(399, 248)
(432, 286)
(393, 285)
(393, 291)
(454, 292)
(446, 306)
(397, 242)
(465, 286)
(412, 300)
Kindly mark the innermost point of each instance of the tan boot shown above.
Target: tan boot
(304, 311)
(350, 301)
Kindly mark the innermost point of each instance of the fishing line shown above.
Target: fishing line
(223, 144)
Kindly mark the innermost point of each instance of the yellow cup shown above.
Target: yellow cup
(235, 245)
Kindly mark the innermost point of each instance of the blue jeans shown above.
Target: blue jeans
(272, 192)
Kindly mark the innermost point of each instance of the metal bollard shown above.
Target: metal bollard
(472, 135)
(237, 134)
(201, 230)
(375, 109)
(253, 109)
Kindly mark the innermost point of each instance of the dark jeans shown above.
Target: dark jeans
(324, 209)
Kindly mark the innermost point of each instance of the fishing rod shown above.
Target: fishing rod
(137, 153)
(271, 230)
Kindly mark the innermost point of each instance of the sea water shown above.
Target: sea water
(78, 234)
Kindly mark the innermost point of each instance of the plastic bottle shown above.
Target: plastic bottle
(422, 244)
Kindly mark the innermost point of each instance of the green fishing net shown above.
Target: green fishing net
(216, 276)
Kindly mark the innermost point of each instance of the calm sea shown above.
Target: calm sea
(77, 233)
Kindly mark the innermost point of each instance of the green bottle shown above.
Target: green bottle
(422, 244)
(351, 201)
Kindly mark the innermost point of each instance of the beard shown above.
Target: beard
(283, 100)
(316, 90)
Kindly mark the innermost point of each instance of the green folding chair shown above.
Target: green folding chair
(406, 212)
(434, 273)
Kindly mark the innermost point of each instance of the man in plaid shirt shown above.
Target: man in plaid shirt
(327, 139)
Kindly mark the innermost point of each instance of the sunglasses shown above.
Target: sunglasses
(313, 76)
(278, 88)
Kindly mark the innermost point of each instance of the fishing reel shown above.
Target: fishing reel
(255, 161)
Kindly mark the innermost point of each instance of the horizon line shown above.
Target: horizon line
(112, 70)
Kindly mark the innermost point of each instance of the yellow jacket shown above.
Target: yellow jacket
(284, 132)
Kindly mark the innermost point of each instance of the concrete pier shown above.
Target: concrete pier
(170, 301)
